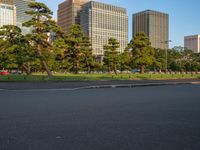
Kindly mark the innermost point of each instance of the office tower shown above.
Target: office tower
(7, 13)
(155, 24)
(22, 7)
(9, 2)
(69, 13)
(102, 21)
(192, 43)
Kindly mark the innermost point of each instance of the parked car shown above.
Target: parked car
(4, 72)
(135, 70)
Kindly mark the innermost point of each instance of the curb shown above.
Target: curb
(109, 86)
(138, 85)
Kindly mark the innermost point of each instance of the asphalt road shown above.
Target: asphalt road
(143, 118)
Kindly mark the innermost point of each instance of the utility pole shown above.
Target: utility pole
(166, 54)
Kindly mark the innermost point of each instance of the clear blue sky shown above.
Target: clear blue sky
(184, 14)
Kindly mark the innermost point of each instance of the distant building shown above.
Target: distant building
(9, 2)
(7, 13)
(155, 24)
(193, 43)
(69, 13)
(22, 7)
(102, 21)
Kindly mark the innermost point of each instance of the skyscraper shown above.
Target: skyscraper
(69, 13)
(7, 13)
(192, 43)
(102, 21)
(10, 2)
(22, 7)
(155, 24)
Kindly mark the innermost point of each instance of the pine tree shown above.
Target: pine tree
(142, 52)
(42, 24)
(16, 50)
(111, 55)
(86, 51)
(74, 41)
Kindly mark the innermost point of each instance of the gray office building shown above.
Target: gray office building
(101, 22)
(21, 7)
(155, 24)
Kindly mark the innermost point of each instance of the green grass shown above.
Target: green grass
(96, 77)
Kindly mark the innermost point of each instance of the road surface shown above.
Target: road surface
(142, 118)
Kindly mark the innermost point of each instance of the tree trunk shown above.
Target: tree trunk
(46, 67)
(142, 69)
(115, 69)
(27, 69)
(88, 69)
(44, 63)
(76, 68)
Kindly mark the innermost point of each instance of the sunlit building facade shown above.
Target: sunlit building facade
(69, 13)
(192, 43)
(155, 24)
(21, 8)
(7, 13)
(102, 21)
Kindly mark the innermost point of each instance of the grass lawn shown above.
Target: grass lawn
(96, 77)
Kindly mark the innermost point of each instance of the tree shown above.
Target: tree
(61, 53)
(86, 52)
(125, 60)
(111, 55)
(159, 62)
(74, 41)
(142, 52)
(8, 35)
(16, 50)
(42, 24)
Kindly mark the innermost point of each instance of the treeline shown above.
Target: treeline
(73, 53)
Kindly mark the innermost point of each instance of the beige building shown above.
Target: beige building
(102, 21)
(192, 43)
(155, 24)
(10, 2)
(7, 13)
(69, 13)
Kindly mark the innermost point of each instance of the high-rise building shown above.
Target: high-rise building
(7, 13)
(155, 24)
(69, 13)
(22, 7)
(10, 2)
(102, 21)
(192, 43)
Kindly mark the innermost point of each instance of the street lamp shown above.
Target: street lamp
(166, 63)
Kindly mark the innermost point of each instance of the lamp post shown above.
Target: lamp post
(166, 54)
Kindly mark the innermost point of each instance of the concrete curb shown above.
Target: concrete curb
(109, 86)
(137, 85)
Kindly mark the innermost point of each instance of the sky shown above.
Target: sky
(184, 14)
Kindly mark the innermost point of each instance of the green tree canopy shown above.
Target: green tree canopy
(142, 52)
(16, 52)
(111, 55)
(74, 41)
(42, 24)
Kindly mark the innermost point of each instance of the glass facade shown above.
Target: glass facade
(101, 22)
(193, 43)
(7, 14)
(155, 25)
(69, 13)
(21, 7)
